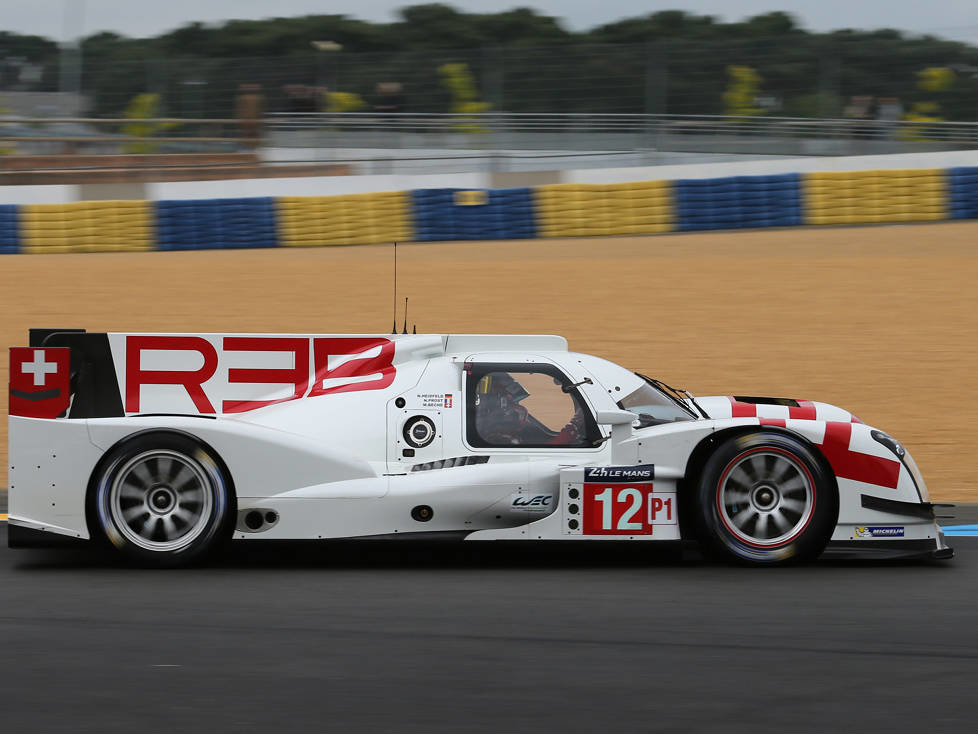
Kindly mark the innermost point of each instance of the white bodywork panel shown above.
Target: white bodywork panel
(313, 427)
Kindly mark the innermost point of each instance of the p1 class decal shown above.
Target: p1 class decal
(662, 509)
(40, 381)
(639, 473)
(614, 508)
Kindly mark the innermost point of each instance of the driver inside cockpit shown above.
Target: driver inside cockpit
(501, 420)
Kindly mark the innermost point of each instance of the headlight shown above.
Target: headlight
(891, 443)
(906, 459)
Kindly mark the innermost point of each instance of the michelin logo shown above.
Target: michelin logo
(640, 473)
(871, 531)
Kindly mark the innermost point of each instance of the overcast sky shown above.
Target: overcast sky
(60, 19)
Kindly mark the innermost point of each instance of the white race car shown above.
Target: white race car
(167, 444)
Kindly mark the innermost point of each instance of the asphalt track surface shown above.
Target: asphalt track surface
(319, 638)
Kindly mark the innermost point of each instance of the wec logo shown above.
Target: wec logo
(320, 366)
(538, 501)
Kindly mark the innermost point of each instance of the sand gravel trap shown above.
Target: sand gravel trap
(881, 320)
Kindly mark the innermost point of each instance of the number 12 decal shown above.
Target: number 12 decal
(617, 509)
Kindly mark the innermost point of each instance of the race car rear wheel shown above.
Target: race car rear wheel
(766, 498)
(162, 499)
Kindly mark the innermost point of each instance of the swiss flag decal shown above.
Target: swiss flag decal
(40, 381)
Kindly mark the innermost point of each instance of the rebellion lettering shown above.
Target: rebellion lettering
(339, 364)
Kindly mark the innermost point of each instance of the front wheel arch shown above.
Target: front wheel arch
(688, 485)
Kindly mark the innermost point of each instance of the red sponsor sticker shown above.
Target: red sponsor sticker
(617, 509)
(40, 381)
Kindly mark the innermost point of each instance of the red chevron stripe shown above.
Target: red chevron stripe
(742, 410)
(804, 411)
(854, 465)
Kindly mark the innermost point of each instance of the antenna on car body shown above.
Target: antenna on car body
(394, 328)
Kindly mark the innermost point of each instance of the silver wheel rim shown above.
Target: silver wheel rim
(161, 500)
(766, 497)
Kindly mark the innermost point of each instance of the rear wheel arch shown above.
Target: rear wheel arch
(166, 439)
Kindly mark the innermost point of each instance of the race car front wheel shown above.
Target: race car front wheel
(162, 499)
(766, 498)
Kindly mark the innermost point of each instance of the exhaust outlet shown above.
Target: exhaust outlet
(256, 520)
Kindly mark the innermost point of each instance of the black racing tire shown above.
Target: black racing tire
(766, 498)
(162, 499)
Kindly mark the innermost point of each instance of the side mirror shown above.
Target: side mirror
(615, 417)
(621, 428)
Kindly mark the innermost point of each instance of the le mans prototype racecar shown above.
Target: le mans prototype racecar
(167, 444)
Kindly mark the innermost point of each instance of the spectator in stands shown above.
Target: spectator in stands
(389, 97)
(249, 110)
(303, 98)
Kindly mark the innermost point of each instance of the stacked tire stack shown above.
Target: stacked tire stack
(867, 197)
(739, 202)
(473, 214)
(587, 210)
(9, 228)
(205, 224)
(963, 183)
(352, 219)
(87, 226)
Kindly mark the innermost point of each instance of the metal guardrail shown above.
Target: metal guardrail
(207, 130)
(33, 135)
(627, 124)
(371, 142)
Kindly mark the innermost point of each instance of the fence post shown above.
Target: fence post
(493, 72)
(829, 81)
(656, 80)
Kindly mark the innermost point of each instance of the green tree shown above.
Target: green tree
(523, 61)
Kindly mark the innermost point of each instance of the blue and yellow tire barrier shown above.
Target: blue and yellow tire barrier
(353, 219)
(557, 210)
(866, 197)
(8, 228)
(739, 201)
(583, 210)
(216, 224)
(463, 214)
(86, 226)
(963, 183)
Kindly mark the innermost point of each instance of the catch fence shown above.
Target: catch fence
(820, 77)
